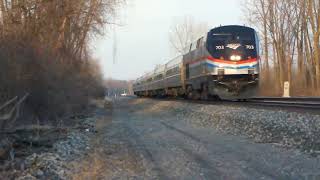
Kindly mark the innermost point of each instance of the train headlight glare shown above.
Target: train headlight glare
(235, 58)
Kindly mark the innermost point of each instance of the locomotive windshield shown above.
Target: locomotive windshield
(232, 43)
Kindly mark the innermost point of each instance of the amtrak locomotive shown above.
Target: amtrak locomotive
(222, 64)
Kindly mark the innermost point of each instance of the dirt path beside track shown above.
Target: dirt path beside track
(145, 139)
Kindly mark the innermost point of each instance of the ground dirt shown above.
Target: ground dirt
(149, 139)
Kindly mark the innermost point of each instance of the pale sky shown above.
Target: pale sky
(143, 37)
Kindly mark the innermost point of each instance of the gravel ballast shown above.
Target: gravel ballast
(290, 129)
(58, 163)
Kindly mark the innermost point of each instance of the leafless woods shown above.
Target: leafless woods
(290, 36)
(59, 24)
(44, 50)
(184, 32)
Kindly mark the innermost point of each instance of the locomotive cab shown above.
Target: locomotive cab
(234, 53)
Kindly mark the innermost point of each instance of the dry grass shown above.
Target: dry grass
(156, 107)
(91, 168)
(270, 85)
(159, 107)
(138, 101)
(108, 158)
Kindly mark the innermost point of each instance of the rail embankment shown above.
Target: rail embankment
(280, 127)
(289, 129)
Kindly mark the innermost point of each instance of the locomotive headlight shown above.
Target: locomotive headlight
(235, 58)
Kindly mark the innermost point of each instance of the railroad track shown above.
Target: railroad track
(303, 103)
(296, 102)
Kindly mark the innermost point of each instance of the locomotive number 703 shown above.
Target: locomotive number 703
(219, 47)
(249, 46)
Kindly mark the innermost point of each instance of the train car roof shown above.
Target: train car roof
(174, 62)
(230, 27)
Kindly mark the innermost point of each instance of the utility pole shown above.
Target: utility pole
(115, 44)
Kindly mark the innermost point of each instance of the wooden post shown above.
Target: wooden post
(286, 89)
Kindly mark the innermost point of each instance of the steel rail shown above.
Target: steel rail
(308, 103)
(298, 102)
(314, 99)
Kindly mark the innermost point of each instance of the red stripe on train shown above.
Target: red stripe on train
(232, 62)
(224, 61)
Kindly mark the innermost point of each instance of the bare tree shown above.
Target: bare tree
(184, 32)
(290, 31)
(257, 18)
